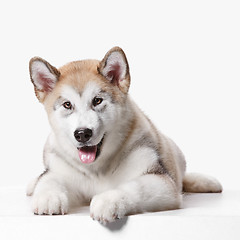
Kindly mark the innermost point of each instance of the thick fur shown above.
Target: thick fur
(138, 169)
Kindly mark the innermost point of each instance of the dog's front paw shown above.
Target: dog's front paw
(108, 206)
(50, 202)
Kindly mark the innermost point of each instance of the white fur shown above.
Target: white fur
(145, 193)
(138, 169)
(196, 182)
(51, 197)
(121, 187)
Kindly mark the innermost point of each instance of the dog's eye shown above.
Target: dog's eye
(67, 105)
(96, 101)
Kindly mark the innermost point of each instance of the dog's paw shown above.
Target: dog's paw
(108, 206)
(49, 203)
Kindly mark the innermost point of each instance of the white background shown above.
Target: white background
(184, 59)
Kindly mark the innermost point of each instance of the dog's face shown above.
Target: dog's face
(83, 99)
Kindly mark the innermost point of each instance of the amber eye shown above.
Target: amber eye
(96, 101)
(67, 105)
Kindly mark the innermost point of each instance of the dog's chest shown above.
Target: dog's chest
(90, 183)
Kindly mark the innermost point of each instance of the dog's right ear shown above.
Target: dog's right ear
(44, 77)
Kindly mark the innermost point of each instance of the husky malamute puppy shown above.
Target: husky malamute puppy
(103, 150)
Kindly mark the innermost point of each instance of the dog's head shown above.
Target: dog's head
(82, 99)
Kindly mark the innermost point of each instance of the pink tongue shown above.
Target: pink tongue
(87, 154)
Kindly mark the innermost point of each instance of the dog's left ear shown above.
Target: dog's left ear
(44, 77)
(114, 67)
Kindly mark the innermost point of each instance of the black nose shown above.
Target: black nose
(83, 134)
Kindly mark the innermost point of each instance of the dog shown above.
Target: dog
(103, 150)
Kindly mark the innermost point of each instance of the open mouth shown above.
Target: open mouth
(88, 154)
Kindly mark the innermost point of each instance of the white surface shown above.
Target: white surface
(203, 216)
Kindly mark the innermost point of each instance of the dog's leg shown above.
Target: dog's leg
(50, 196)
(149, 192)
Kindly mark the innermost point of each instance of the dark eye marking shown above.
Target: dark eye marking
(97, 101)
(67, 105)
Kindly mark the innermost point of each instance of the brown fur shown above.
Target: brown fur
(78, 74)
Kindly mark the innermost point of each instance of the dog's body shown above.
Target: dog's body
(103, 150)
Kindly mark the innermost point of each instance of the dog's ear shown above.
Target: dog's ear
(114, 67)
(44, 77)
